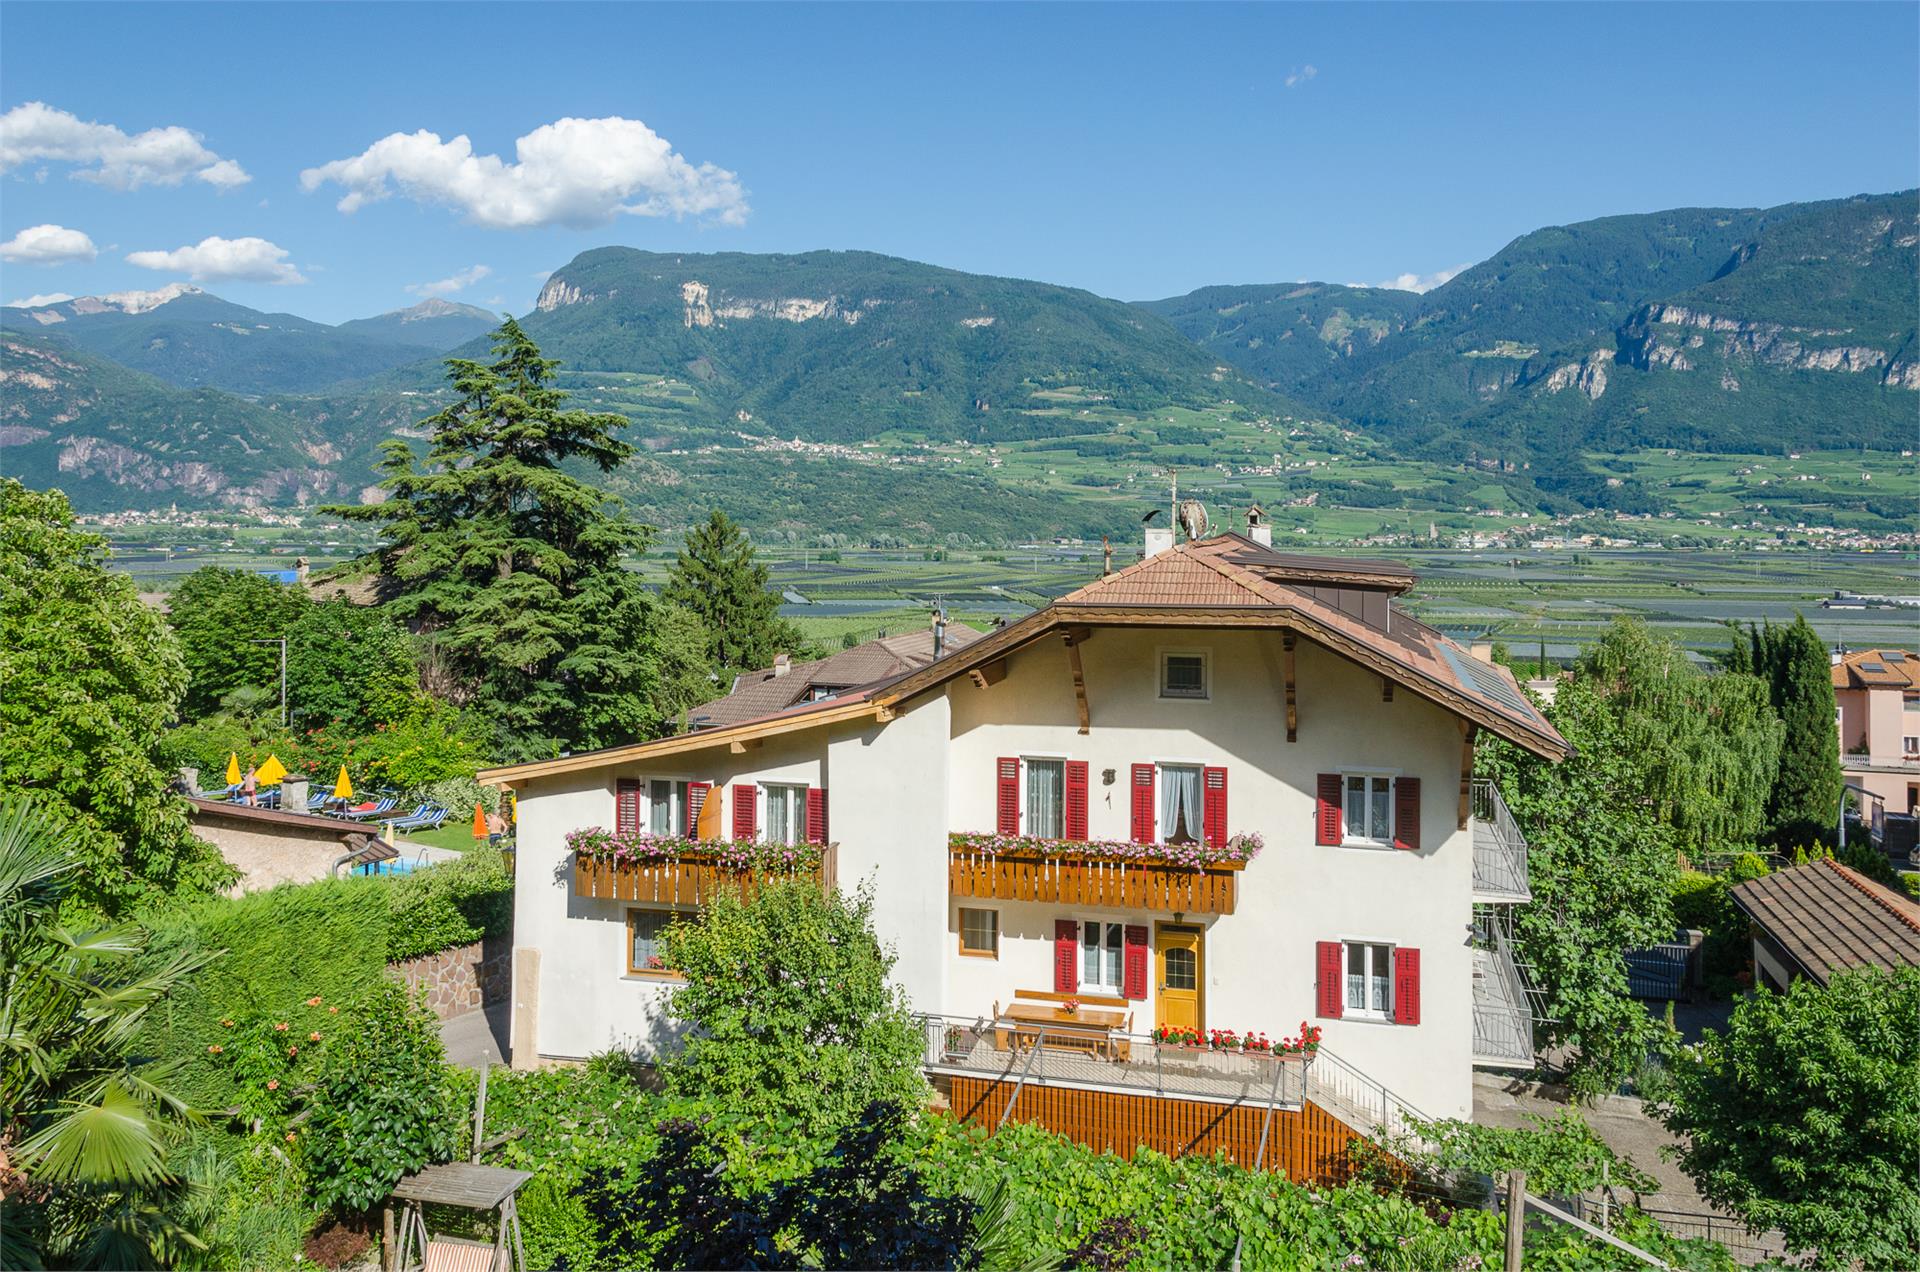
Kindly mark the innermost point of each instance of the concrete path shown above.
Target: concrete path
(477, 1038)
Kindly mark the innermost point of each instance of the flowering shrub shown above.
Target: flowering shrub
(745, 855)
(270, 1060)
(1197, 856)
(1176, 1036)
(1223, 1040)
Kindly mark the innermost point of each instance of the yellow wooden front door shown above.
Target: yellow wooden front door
(1177, 962)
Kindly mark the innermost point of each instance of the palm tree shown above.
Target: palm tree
(84, 1120)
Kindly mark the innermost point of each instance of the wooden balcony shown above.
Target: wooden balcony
(1094, 881)
(686, 880)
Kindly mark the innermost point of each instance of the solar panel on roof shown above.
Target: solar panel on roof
(1484, 680)
(1894, 655)
(1874, 667)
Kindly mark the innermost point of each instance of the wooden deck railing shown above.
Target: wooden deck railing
(1094, 881)
(687, 880)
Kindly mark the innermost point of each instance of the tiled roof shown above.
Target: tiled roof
(1877, 669)
(1230, 572)
(761, 693)
(1828, 917)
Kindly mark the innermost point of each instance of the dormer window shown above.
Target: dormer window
(1183, 675)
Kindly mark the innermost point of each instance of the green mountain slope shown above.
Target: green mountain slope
(1287, 334)
(847, 345)
(188, 338)
(1720, 329)
(433, 324)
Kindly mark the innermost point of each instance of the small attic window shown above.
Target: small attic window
(1183, 675)
(1894, 655)
(1876, 668)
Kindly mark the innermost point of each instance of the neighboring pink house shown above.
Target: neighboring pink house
(1877, 692)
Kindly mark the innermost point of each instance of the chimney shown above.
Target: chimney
(300, 571)
(1483, 650)
(1257, 528)
(939, 633)
(781, 665)
(1159, 539)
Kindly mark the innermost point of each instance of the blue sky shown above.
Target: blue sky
(1138, 151)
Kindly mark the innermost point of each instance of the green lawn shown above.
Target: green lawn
(456, 834)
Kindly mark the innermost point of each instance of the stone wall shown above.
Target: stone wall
(463, 979)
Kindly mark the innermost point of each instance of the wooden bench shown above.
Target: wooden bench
(1098, 1025)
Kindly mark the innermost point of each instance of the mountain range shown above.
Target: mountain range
(1730, 330)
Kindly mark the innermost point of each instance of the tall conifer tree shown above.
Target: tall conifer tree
(514, 564)
(1805, 801)
(718, 578)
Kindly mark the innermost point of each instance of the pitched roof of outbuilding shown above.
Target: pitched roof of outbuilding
(763, 692)
(1828, 917)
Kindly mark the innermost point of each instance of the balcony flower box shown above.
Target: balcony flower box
(673, 870)
(1186, 878)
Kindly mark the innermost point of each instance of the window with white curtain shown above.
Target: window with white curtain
(1369, 977)
(786, 815)
(1102, 953)
(667, 808)
(1046, 797)
(1179, 803)
(1369, 808)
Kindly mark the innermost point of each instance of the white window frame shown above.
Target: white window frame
(1161, 658)
(1085, 986)
(679, 797)
(764, 798)
(1026, 815)
(1392, 778)
(1347, 1010)
(1910, 745)
(1160, 767)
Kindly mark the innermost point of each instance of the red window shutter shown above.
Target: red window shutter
(1406, 813)
(696, 800)
(1213, 805)
(1006, 796)
(1406, 987)
(1066, 956)
(626, 806)
(1074, 819)
(816, 814)
(1332, 987)
(1143, 803)
(1327, 818)
(743, 810)
(1134, 968)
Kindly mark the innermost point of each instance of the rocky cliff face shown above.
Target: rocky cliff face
(1658, 335)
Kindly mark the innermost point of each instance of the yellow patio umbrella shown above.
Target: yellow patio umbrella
(479, 822)
(270, 772)
(343, 787)
(233, 769)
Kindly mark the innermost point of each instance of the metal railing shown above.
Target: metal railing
(1502, 1014)
(1362, 1102)
(1127, 1063)
(1499, 848)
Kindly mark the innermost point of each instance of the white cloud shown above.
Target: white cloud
(573, 172)
(34, 302)
(495, 301)
(108, 156)
(1417, 282)
(215, 259)
(48, 245)
(1301, 74)
(453, 283)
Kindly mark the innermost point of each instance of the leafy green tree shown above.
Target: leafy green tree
(222, 617)
(686, 677)
(1599, 862)
(348, 667)
(514, 565)
(89, 1121)
(1804, 802)
(717, 577)
(88, 681)
(383, 1104)
(1804, 1116)
(790, 1011)
(1701, 750)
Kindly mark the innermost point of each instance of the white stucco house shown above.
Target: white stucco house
(1224, 788)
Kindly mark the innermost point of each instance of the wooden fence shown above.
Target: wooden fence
(1130, 885)
(1309, 1145)
(686, 881)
